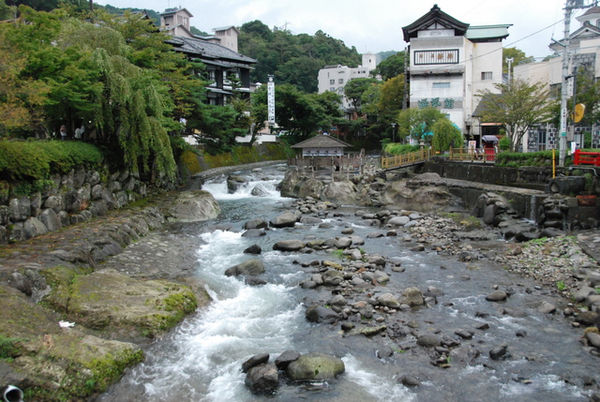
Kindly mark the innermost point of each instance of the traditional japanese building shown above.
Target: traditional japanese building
(450, 63)
(227, 71)
(321, 146)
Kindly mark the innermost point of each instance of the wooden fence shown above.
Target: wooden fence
(407, 159)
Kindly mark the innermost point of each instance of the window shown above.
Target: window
(486, 75)
(341, 81)
(445, 56)
(331, 82)
(332, 89)
(441, 84)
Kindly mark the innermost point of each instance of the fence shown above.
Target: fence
(464, 154)
(410, 158)
(586, 158)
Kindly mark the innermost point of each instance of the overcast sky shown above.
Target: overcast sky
(375, 25)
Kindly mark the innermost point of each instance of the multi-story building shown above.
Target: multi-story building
(584, 48)
(450, 63)
(227, 71)
(335, 78)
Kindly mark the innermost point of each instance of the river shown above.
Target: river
(201, 359)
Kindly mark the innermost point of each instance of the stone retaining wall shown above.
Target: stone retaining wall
(74, 197)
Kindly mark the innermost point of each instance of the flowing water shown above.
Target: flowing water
(201, 359)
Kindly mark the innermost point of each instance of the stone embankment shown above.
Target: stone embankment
(74, 318)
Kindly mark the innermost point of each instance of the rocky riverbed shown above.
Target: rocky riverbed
(409, 299)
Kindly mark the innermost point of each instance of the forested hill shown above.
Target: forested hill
(292, 59)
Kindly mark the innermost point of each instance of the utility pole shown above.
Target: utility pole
(509, 61)
(570, 5)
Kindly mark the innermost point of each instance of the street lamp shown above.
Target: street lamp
(394, 132)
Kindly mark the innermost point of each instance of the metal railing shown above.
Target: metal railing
(407, 159)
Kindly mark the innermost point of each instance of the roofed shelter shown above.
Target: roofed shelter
(321, 146)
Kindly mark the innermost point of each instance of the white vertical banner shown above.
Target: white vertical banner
(271, 101)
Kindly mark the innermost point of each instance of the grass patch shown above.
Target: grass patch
(469, 222)
(518, 159)
(560, 285)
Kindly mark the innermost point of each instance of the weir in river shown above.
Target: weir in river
(201, 360)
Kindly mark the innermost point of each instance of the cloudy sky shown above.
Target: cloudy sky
(375, 25)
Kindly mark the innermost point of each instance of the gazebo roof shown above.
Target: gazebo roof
(321, 141)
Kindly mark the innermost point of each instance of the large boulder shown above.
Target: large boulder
(315, 366)
(234, 183)
(46, 357)
(316, 313)
(341, 192)
(251, 267)
(110, 301)
(286, 219)
(262, 379)
(388, 300)
(259, 190)
(34, 227)
(193, 206)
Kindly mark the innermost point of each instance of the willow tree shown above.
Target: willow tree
(131, 111)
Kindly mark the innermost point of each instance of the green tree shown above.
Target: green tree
(354, 90)
(519, 57)
(446, 135)
(390, 67)
(392, 98)
(517, 107)
(418, 123)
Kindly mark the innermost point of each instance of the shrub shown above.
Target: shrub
(518, 159)
(395, 148)
(504, 144)
(38, 160)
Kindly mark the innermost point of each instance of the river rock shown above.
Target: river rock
(193, 206)
(496, 296)
(259, 190)
(234, 182)
(289, 245)
(343, 192)
(262, 379)
(547, 308)
(399, 220)
(499, 352)
(34, 227)
(388, 300)
(251, 267)
(256, 224)
(284, 359)
(371, 331)
(287, 219)
(343, 242)
(332, 277)
(315, 366)
(316, 313)
(413, 297)
(429, 340)
(593, 339)
(409, 381)
(254, 233)
(255, 361)
(253, 249)
(380, 277)
(310, 220)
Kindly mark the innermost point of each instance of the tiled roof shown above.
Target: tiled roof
(202, 48)
(434, 15)
(321, 141)
(487, 32)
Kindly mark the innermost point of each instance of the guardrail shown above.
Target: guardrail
(407, 159)
(464, 154)
(586, 158)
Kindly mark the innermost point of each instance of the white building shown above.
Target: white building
(584, 47)
(335, 78)
(450, 63)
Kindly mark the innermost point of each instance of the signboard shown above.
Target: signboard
(271, 101)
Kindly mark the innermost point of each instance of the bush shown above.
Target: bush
(394, 148)
(518, 159)
(38, 160)
(504, 144)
